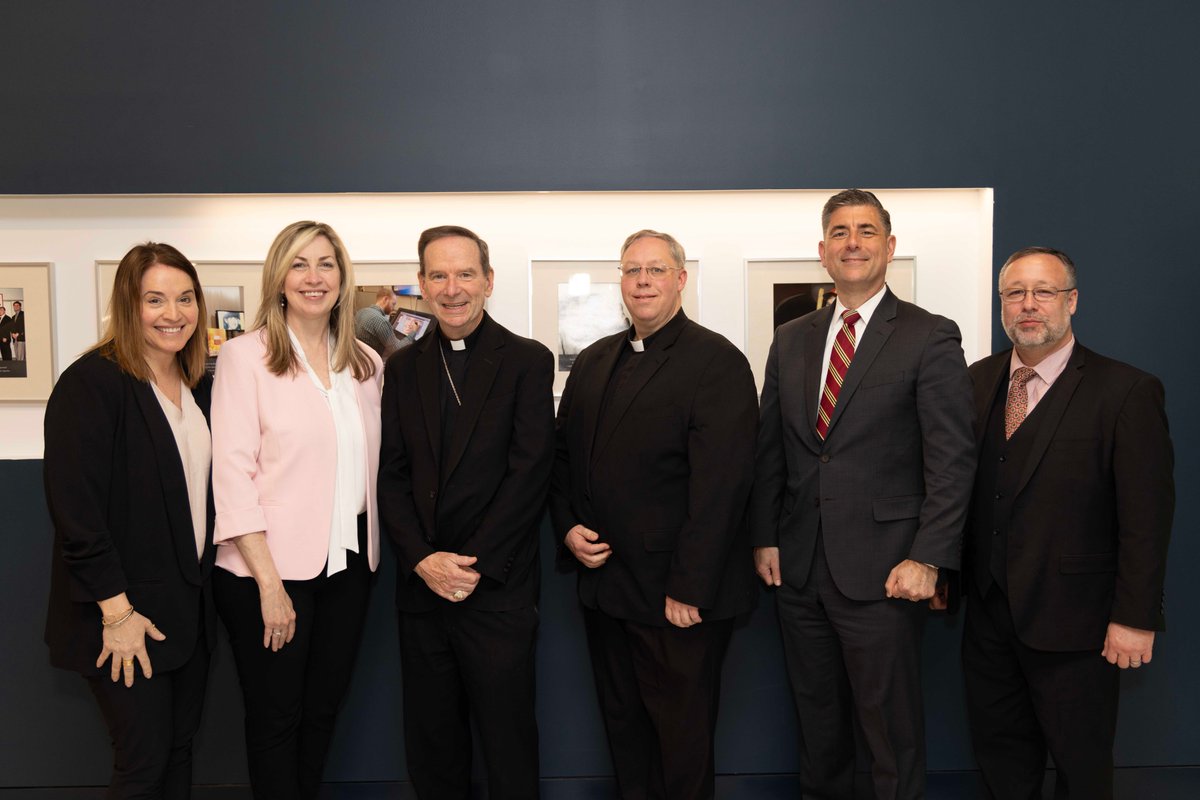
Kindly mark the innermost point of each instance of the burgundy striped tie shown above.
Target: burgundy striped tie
(839, 362)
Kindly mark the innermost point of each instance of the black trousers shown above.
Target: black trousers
(292, 696)
(849, 657)
(152, 725)
(1022, 703)
(460, 663)
(659, 689)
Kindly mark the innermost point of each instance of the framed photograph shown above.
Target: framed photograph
(409, 321)
(231, 321)
(779, 290)
(26, 350)
(574, 303)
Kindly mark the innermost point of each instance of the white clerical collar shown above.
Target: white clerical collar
(458, 344)
(638, 345)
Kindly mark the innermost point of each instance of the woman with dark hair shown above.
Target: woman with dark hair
(127, 484)
(295, 455)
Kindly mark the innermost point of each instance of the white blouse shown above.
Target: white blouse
(350, 483)
(195, 453)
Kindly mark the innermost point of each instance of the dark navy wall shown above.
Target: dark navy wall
(1082, 116)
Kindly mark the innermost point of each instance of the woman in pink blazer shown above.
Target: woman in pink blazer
(295, 455)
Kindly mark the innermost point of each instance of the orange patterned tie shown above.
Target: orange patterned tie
(839, 362)
(1018, 400)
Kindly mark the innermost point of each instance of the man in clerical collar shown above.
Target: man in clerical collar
(655, 457)
(461, 494)
(1066, 547)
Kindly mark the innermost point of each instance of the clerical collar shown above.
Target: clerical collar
(467, 341)
(641, 345)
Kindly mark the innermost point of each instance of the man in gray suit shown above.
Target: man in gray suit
(864, 469)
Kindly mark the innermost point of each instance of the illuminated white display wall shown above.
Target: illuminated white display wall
(946, 233)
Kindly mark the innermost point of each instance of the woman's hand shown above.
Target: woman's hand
(279, 618)
(125, 642)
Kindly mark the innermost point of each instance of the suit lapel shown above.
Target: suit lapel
(878, 331)
(1051, 409)
(991, 374)
(594, 393)
(485, 363)
(652, 362)
(429, 376)
(170, 476)
(814, 373)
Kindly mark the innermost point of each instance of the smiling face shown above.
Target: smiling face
(651, 302)
(169, 310)
(856, 251)
(1037, 329)
(313, 281)
(455, 285)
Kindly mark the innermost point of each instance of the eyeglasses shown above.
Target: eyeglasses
(1042, 294)
(632, 270)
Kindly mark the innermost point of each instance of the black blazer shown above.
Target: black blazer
(122, 523)
(485, 495)
(892, 478)
(666, 481)
(1091, 518)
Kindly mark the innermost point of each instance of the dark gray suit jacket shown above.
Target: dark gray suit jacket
(893, 478)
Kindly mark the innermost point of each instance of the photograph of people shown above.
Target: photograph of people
(129, 590)
(295, 454)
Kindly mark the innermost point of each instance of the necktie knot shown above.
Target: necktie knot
(1023, 375)
(851, 317)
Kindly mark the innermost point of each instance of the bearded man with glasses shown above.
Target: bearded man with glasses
(1067, 541)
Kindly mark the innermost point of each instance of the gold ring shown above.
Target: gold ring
(127, 662)
(459, 595)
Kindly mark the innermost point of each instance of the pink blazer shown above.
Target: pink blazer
(274, 457)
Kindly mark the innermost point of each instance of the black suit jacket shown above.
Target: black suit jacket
(484, 495)
(663, 478)
(1091, 517)
(892, 479)
(122, 523)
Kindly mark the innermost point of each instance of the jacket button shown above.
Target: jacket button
(999, 496)
(824, 458)
(432, 495)
(1003, 459)
(995, 533)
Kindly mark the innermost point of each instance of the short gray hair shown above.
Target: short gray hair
(673, 244)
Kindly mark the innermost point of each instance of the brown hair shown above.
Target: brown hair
(272, 312)
(431, 235)
(123, 341)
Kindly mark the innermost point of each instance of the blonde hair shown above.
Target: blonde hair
(123, 342)
(272, 313)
